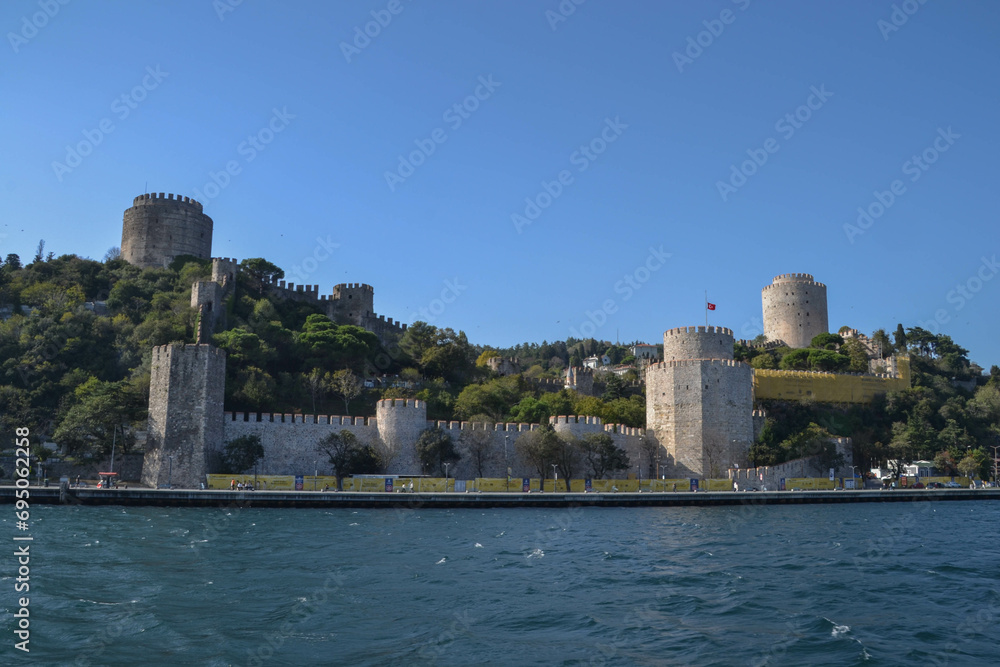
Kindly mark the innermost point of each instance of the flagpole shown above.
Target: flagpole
(706, 308)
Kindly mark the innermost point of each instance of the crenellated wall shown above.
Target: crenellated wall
(158, 228)
(698, 343)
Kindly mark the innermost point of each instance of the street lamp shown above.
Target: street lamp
(663, 475)
(555, 476)
(854, 476)
(170, 471)
(446, 477)
(506, 462)
(315, 473)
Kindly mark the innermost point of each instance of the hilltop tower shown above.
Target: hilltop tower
(354, 302)
(159, 227)
(794, 309)
(186, 391)
(699, 402)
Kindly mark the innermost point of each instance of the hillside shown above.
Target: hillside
(76, 338)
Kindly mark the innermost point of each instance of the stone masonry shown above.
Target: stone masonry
(186, 391)
(158, 228)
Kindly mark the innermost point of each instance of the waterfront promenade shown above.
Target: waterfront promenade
(215, 498)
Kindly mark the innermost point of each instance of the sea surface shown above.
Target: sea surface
(858, 584)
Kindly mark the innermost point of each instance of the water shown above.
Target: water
(822, 584)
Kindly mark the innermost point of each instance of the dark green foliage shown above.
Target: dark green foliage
(348, 456)
(242, 453)
(434, 449)
(602, 455)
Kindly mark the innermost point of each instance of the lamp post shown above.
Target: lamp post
(170, 471)
(854, 476)
(315, 473)
(506, 462)
(446, 477)
(996, 464)
(555, 476)
(663, 475)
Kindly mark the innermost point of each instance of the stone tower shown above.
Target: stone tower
(186, 391)
(160, 227)
(355, 302)
(699, 402)
(794, 309)
(400, 422)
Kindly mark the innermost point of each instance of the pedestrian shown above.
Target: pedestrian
(232, 485)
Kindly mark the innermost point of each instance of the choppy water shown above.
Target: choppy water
(839, 585)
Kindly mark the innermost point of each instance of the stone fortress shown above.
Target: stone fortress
(700, 416)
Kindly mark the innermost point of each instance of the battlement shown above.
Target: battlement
(386, 403)
(197, 348)
(793, 276)
(499, 427)
(766, 345)
(759, 414)
(676, 331)
(793, 279)
(353, 286)
(152, 198)
(624, 430)
(576, 419)
(285, 418)
(227, 260)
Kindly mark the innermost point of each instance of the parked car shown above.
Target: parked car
(935, 485)
(952, 485)
(918, 485)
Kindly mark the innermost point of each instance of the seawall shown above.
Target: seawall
(306, 499)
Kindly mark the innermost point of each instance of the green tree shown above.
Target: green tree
(827, 341)
(258, 274)
(103, 413)
(347, 456)
(242, 453)
(479, 445)
(435, 448)
(602, 455)
(900, 339)
(347, 385)
(539, 449)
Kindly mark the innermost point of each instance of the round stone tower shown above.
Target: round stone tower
(400, 422)
(698, 343)
(160, 227)
(355, 302)
(794, 309)
(699, 402)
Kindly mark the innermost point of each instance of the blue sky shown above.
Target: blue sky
(670, 149)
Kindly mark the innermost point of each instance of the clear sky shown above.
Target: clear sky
(671, 148)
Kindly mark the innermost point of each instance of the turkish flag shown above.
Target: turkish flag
(711, 306)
